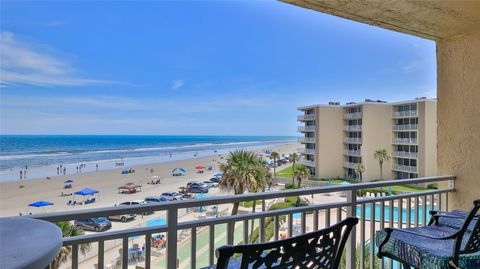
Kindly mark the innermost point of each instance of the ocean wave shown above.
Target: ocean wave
(29, 156)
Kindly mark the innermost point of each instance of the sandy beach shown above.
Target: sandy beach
(15, 199)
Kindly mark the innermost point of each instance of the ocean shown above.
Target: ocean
(42, 154)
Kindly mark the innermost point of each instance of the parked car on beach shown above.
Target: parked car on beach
(155, 199)
(215, 179)
(137, 202)
(172, 196)
(93, 224)
(197, 189)
(211, 184)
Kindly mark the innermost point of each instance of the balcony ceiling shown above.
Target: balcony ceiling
(429, 19)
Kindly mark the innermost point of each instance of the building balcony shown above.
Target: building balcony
(304, 129)
(306, 117)
(306, 140)
(404, 141)
(352, 140)
(307, 162)
(115, 246)
(407, 113)
(405, 168)
(405, 154)
(349, 165)
(306, 151)
(356, 153)
(405, 127)
(352, 116)
(352, 128)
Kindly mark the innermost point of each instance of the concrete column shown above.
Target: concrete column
(458, 60)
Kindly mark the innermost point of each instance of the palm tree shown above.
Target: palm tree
(381, 155)
(243, 171)
(302, 173)
(359, 169)
(68, 230)
(274, 155)
(294, 158)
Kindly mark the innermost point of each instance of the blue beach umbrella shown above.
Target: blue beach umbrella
(345, 183)
(86, 191)
(179, 170)
(40, 204)
(218, 175)
(68, 181)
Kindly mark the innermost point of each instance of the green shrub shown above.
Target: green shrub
(432, 186)
(281, 205)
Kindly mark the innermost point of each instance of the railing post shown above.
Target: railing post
(351, 243)
(172, 238)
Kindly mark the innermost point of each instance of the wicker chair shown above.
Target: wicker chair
(320, 249)
(450, 240)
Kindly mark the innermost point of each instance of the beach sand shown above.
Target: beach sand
(15, 200)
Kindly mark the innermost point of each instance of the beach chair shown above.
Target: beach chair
(450, 240)
(319, 249)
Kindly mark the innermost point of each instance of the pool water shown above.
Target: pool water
(368, 210)
(156, 222)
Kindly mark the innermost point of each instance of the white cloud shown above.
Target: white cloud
(177, 84)
(21, 63)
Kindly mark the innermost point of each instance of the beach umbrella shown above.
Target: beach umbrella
(218, 175)
(40, 204)
(86, 191)
(68, 181)
(179, 170)
(199, 167)
(345, 183)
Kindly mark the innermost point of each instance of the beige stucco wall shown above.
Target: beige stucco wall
(376, 134)
(329, 142)
(427, 148)
(458, 60)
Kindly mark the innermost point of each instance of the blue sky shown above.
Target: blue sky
(213, 67)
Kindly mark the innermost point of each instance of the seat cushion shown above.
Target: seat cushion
(426, 253)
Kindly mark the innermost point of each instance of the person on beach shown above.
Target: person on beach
(58, 168)
(96, 166)
(77, 169)
(64, 170)
(21, 174)
(170, 155)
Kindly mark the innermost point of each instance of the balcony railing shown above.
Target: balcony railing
(306, 140)
(405, 168)
(352, 116)
(404, 154)
(307, 162)
(306, 128)
(406, 113)
(352, 140)
(404, 127)
(352, 128)
(356, 153)
(306, 117)
(349, 165)
(397, 140)
(402, 210)
(306, 151)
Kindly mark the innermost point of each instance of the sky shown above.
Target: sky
(193, 67)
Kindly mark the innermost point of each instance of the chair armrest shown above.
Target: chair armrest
(452, 236)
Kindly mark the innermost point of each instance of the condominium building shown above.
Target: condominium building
(337, 137)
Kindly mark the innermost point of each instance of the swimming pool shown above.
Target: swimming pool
(368, 211)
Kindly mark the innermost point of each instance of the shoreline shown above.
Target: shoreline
(43, 172)
(15, 200)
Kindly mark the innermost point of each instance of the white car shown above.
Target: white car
(172, 196)
(211, 184)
